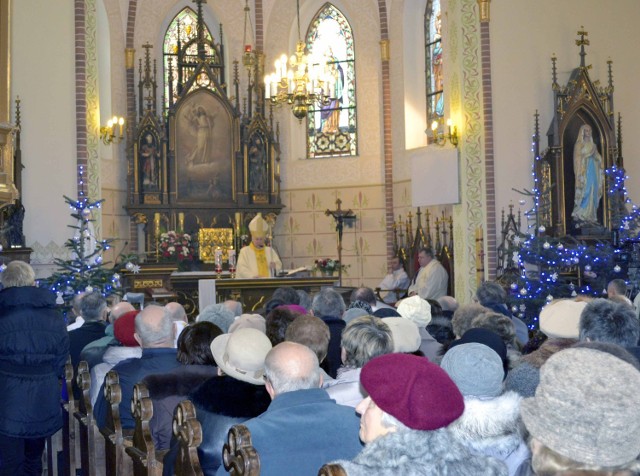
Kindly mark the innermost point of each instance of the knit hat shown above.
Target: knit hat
(241, 354)
(476, 369)
(248, 321)
(258, 226)
(385, 312)
(293, 308)
(357, 304)
(416, 309)
(405, 333)
(562, 318)
(415, 391)
(488, 338)
(350, 314)
(587, 407)
(125, 327)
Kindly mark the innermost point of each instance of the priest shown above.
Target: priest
(258, 260)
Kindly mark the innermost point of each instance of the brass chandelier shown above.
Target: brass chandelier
(300, 81)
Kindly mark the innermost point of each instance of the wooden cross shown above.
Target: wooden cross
(340, 215)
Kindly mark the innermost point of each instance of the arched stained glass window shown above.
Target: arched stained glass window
(182, 29)
(332, 128)
(435, 78)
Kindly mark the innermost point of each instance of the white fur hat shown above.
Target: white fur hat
(562, 318)
(405, 333)
(415, 309)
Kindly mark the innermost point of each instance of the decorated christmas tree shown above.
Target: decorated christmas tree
(85, 270)
(537, 267)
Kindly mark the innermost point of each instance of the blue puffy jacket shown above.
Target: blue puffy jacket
(34, 346)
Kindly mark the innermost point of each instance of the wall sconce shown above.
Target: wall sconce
(108, 132)
(440, 138)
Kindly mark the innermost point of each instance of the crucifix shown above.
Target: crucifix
(340, 215)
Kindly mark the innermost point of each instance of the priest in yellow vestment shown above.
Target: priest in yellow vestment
(258, 260)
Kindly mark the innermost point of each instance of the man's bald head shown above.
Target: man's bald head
(119, 309)
(290, 367)
(154, 327)
(176, 312)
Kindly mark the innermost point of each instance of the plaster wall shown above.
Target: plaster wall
(42, 74)
(524, 35)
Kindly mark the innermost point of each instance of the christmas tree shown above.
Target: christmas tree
(85, 270)
(537, 268)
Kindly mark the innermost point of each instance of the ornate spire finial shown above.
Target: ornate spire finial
(18, 111)
(582, 42)
(554, 71)
(610, 73)
(619, 138)
(536, 136)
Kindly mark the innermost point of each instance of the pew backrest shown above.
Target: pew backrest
(146, 461)
(239, 457)
(188, 431)
(116, 460)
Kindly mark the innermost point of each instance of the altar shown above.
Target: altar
(195, 287)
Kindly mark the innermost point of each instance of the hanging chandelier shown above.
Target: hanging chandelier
(300, 81)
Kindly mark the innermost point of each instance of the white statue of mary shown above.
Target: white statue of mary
(589, 177)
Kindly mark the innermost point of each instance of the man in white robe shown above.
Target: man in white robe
(258, 260)
(432, 279)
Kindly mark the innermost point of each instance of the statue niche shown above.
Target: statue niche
(582, 146)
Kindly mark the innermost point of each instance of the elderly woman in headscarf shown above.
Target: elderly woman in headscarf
(404, 422)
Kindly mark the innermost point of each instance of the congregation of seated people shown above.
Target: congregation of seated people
(324, 386)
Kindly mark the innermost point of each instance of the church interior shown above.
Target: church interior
(491, 69)
(393, 220)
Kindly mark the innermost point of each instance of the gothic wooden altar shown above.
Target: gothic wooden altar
(201, 161)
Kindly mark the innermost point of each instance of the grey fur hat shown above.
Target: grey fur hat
(217, 314)
(475, 368)
(587, 407)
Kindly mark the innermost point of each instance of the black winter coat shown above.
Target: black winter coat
(34, 346)
(220, 403)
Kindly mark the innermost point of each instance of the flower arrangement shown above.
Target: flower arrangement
(176, 246)
(328, 265)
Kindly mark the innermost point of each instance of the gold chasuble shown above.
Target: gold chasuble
(261, 260)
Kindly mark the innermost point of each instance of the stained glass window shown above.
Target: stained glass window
(183, 28)
(435, 78)
(332, 127)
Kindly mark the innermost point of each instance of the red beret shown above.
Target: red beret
(124, 327)
(415, 391)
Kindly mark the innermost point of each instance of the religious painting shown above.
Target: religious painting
(149, 156)
(584, 171)
(203, 149)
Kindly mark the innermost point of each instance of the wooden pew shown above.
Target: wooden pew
(187, 429)
(146, 461)
(69, 425)
(91, 449)
(239, 456)
(332, 470)
(115, 440)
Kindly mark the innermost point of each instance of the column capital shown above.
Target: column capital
(484, 10)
